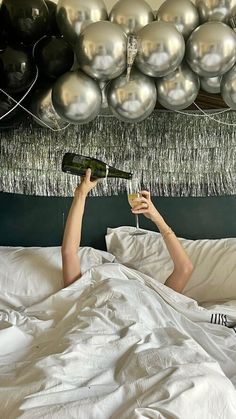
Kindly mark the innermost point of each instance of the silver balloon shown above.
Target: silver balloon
(179, 89)
(182, 13)
(42, 107)
(228, 88)
(101, 50)
(220, 10)
(211, 49)
(133, 100)
(160, 49)
(74, 15)
(131, 15)
(76, 97)
(211, 84)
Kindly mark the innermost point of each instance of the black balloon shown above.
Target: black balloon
(17, 69)
(54, 56)
(7, 120)
(6, 104)
(52, 22)
(26, 20)
(3, 39)
(3, 35)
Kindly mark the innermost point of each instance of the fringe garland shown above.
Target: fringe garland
(170, 153)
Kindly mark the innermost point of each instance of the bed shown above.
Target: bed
(117, 343)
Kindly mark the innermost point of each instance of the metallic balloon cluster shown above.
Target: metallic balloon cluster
(128, 60)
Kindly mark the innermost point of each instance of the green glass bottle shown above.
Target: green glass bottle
(77, 165)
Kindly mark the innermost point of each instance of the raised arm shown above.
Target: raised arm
(72, 232)
(182, 264)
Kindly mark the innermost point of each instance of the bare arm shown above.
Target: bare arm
(72, 232)
(182, 264)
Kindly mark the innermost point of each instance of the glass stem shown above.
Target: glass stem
(137, 220)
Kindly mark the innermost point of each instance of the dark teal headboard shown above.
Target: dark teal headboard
(39, 221)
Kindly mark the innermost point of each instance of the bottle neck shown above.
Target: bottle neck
(116, 173)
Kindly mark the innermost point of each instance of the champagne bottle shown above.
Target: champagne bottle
(77, 165)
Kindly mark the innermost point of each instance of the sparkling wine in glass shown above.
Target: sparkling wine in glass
(133, 192)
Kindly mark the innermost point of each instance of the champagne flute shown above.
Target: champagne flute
(133, 192)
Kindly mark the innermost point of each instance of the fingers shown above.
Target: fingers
(140, 211)
(140, 201)
(87, 177)
(146, 194)
(88, 174)
(91, 180)
(141, 204)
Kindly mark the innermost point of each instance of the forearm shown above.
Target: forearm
(182, 264)
(71, 241)
(174, 247)
(72, 233)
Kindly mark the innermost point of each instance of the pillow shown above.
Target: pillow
(28, 275)
(214, 275)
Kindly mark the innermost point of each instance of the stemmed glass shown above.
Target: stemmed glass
(133, 192)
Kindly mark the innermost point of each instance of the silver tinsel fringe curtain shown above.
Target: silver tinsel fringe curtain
(170, 153)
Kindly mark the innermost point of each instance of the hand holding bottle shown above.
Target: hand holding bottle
(86, 184)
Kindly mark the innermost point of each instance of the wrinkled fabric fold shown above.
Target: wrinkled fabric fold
(117, 344)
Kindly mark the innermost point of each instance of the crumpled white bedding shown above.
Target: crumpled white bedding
(117, 344)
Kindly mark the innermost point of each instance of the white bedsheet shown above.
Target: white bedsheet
(117, 344)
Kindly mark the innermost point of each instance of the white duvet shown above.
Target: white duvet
(117, 344)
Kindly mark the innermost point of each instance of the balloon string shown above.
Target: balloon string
(215, 119)
(109, 116)
(29, 89)
(18, 103)
(202, 116)
(36, 43)
(30, 113)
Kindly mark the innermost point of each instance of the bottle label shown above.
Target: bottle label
(78, 159)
